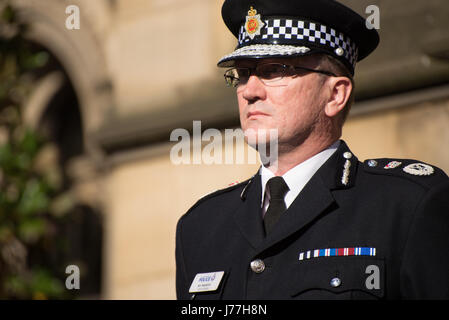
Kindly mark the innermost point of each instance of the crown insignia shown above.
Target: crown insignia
(252, 12)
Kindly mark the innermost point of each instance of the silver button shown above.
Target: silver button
(339, 51)
(335, 282)
(347, 155)
(372, 163)
(258, 266)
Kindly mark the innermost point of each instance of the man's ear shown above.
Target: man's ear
(341, 88)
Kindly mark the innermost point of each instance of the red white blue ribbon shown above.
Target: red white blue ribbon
(335, 252)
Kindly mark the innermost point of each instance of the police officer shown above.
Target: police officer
(313, 223)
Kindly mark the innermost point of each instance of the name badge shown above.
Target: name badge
(204, 282)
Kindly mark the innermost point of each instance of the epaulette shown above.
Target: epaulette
(419, 172)
(230, 187)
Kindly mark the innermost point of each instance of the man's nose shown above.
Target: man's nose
(254, 89)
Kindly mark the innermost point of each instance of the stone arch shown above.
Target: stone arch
(81, 56)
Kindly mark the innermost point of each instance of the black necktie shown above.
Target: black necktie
(278, 188)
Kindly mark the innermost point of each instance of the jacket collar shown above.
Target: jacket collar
(333, 170)
(316, 198)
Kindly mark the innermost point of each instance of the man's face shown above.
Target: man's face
(294, 108)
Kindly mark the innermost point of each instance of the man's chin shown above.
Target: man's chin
(265, 141)
(255, 137)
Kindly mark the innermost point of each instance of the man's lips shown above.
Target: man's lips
(255, 114)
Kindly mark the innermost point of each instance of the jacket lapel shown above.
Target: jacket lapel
(248, 216)
(314, 199)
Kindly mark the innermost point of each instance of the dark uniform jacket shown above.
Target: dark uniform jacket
(403, 218)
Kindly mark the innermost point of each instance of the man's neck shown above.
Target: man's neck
(293, 157)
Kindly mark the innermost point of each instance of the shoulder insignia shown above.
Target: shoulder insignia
(416, 171)
(419, 169)
(392, 164)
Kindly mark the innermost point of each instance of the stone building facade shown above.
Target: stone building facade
(136, 70)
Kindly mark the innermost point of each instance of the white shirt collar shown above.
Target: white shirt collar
(298, 176)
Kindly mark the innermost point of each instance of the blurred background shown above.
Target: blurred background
(86, 116)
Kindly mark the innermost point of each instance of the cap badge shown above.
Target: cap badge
(253, 23)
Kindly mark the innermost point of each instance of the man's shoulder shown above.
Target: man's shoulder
(406, 171)
(222, 197)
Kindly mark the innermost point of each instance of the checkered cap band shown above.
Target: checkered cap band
(289, 31)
